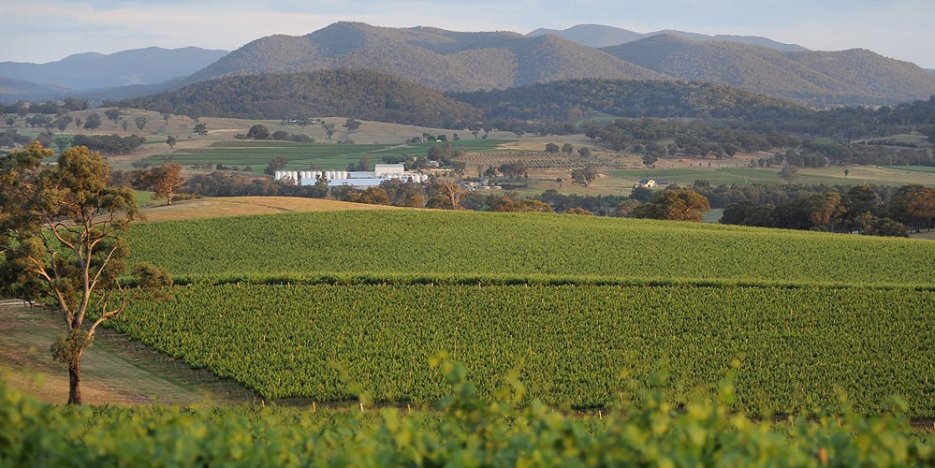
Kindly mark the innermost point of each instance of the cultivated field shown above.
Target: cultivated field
(257, 154)
(568, 342)
(463, 243)
(323, 306)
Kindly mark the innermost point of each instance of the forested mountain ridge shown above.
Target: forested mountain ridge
(819, 78)
(360, 94)
(444, 60)
(573, 100)
(597, 35)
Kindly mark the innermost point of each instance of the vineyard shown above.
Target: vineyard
(438, 242)
(798, 346)
(466, 432)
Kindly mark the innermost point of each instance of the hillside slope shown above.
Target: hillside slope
(572, 100)
(846, 77)
(92, 70)
(445, 60)
(360, 94)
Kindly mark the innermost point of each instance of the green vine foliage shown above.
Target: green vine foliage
(463, 430)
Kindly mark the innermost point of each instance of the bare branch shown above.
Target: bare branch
(100, 270)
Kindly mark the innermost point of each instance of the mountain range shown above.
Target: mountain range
(856, 76)
(450, 61)
(444, 60)
(598, 36)
(83, 72)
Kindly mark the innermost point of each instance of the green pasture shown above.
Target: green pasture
(303, 155)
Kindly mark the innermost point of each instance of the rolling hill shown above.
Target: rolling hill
(823, 78)
(444, 60)
(92, 70)
(12, 90)
(596, 35)
(360, 94)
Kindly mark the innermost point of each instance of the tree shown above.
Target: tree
(62, 122)
(92, 121)
(584, 152)
(61, 234)
(124, 124)
(676, 204)
(171, 141)
(584, 176)
(860, 200)
(77, 123)
(62, 143)
(788, 173)
(258, 132)
(626, 208)
(141, 123)
(351, 125)
(113, 115)
(276, 164)
(914, 205)
(328, 128)
(451, 190)
(12, 120)
(200, 128)
(551, 148)
(568, 149)
(164, 180)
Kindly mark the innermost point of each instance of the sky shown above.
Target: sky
(47, 30)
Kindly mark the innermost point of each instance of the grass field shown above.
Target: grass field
(117, 371)
(301, 156)
(439, 242)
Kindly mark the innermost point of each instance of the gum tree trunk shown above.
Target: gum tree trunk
(74, 384)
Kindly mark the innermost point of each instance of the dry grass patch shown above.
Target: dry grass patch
(248, 206)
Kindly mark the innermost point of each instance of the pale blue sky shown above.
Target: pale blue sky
(45, 30)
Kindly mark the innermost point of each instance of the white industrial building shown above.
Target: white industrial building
(357, 179)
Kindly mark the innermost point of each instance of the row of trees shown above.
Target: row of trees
(109, 144)
(261, 132)
(23, 108)
(861, 209)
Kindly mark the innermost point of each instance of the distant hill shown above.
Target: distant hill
(570, 101)
(92, 70)
(444, 60)
(591, 35)
(820, 78)
(15, 90)
(596, 35)
(360, 94)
